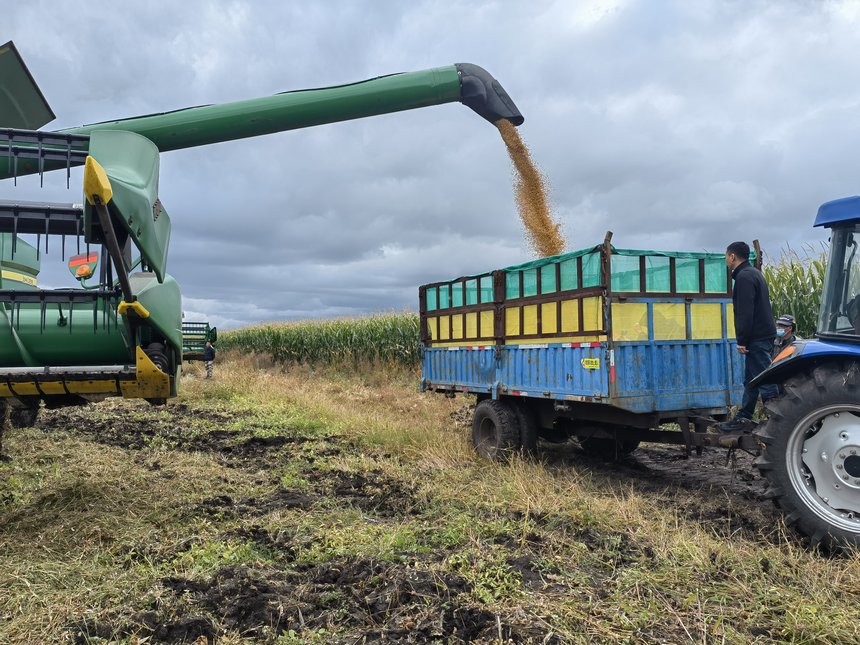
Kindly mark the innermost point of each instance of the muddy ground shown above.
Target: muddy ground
(347, 599)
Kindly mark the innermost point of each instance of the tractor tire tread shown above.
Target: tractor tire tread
(804, 393)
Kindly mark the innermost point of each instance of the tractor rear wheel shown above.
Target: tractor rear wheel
(495, 430)
(811, 453)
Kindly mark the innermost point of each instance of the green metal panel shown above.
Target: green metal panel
(206, 124)
(25, 260)
(23, 343)
(22, 104)
(291, 110)
(78, 339)
(164, 302)
(131, 163)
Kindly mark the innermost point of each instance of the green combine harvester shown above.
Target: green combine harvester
(195, 335)
(120, 332)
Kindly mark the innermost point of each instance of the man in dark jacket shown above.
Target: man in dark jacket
(208, 358)
(754, 330)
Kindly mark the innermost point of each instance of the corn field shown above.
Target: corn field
(389, 338)
(795, 283)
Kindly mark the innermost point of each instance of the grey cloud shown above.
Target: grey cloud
(678, 125)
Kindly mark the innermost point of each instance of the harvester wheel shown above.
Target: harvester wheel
(811, 454)
(24, 417)
(495, 430)
(602, 447)
(157, 354)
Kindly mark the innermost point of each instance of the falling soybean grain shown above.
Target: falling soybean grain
(544, 235)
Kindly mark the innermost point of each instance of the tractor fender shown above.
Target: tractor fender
(806, 355)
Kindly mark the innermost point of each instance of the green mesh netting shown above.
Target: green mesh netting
(625, 273)
(487, 289)
(591, 270)
(569, 278)
(547, 279)
(559, 273)
(512, 285)
(471, 292)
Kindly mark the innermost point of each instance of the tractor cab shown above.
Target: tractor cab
(839, 318)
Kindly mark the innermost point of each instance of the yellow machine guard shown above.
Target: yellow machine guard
(149, 383)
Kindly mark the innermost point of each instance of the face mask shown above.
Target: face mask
(780, 332)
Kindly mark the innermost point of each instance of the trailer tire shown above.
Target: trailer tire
(495, 430)
(528, 426)
(602, 447)
(811, 454)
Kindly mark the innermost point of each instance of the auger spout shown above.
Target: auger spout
(206, 124)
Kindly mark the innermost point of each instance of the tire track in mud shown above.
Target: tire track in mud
(406, 599)
(403, 600)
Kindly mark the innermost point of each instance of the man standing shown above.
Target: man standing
(785, 335)
(754, 330)
(208, 358)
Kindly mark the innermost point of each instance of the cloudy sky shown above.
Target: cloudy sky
(678, 125)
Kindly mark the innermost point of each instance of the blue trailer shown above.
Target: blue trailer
(603, 344)
(609, 345)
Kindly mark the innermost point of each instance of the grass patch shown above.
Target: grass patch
(308, 505)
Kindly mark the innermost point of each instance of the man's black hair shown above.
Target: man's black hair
(740, 249)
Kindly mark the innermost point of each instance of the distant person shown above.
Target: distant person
(754, 329)
(785, 333)
(208, 358)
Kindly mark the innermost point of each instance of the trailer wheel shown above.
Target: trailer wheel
(602, 447)
(811, 454)
(528, 426)
(495, 430)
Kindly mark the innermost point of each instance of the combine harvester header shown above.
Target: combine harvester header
(123, 335)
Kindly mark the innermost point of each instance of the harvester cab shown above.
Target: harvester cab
(122, 334)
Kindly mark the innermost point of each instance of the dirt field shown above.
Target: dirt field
(320, 516)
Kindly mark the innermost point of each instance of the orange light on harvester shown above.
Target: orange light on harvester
(83, 266)
(78, 260)
(788, 351)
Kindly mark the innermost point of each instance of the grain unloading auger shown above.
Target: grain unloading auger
(123, 336)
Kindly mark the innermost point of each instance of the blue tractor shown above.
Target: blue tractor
(811, 440)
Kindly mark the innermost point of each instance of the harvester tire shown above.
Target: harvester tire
(23, 417)
(811, 454)
(602, 447)
(158, 355)
(495, 430)
(528, 425)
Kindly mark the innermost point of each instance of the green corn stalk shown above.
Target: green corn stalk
(795, 282)
(388, 338)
